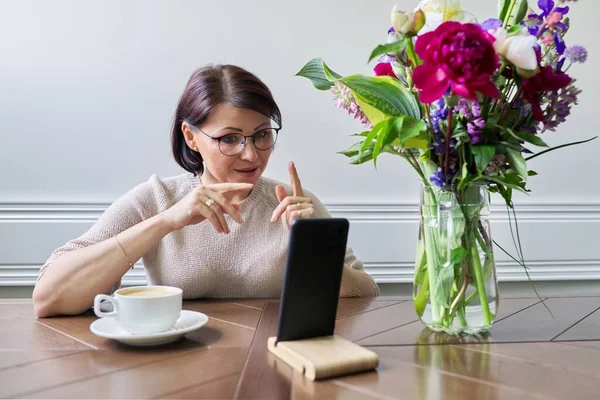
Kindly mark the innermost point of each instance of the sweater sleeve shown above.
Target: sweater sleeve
(121, 215)
(350, 259)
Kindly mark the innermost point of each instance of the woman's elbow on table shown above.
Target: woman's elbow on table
(51, 301)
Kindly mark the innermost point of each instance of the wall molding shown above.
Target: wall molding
(85, 212)
(364, 216)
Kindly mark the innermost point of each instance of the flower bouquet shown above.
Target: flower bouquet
(465, 104)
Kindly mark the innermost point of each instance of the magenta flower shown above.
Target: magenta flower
(383, 69)
(544, 81)
(457, 56)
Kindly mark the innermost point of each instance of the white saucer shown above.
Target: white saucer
(187, 322)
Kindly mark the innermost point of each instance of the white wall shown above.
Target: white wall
(88, 89)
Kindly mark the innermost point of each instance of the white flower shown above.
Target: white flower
(437, 12)
(406, 22)
(401, 21)
(518, 49)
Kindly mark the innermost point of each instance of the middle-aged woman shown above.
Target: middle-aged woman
(220, 230)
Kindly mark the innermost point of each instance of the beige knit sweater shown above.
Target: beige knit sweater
(248, 262)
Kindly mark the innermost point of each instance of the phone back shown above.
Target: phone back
(313, 275)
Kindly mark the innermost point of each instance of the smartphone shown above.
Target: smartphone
(312, 279)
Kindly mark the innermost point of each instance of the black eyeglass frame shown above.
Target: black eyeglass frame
(245, 141)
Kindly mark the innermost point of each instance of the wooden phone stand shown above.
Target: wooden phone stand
(324, 357)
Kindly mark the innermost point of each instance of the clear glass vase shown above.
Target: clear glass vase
(455, 286)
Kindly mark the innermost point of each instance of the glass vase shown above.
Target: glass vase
(455, 286)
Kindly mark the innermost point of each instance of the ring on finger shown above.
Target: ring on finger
(209, 202)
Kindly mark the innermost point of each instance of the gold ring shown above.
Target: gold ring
(298, 205)
(209, 202)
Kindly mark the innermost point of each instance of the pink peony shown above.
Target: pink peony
(460, 56)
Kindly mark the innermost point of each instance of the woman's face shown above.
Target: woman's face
(227, 122)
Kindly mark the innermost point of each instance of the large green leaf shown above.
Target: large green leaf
(518, 13)
(383, 93)
(321, 76)
(411, 133)
(483, 155)
(374, 115)
(517, 162)
(503, 8)
(387, 48)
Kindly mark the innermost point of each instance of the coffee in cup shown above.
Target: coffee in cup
(143, 309)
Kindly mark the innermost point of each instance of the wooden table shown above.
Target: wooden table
(528, 355)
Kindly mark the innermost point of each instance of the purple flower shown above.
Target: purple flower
(490, 24)
(476, 109)
(438, 178)
(576, 54)
(439, 112)
(463, 107)
(559, 106)
(548, 21)
(474, 133)
(547, 6)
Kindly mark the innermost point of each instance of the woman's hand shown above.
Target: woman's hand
(294, 206)
(207, 203)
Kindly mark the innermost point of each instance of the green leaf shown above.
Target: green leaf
(382, 93)
(517, 162)
(514, 30)
(532, 173)
(387, 48)
(464, 171)
(510, 181)
(383, 136)
(503, 6)
(374, 115)
(352, 150)
(518, 13)
(527, 137)
(411, 133)
(445, 279)
(362, 158)
(420, 263)
(355, 154)
(483, 155)
(458, 254)
(559, 147)
(321, 76)
(370, 137)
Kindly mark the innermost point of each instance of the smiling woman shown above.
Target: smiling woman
(220, 230)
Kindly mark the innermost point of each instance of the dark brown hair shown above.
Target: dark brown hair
(208, 87)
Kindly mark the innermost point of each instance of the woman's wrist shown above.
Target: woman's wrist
(162, 223)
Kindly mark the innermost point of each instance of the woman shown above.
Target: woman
(219, 230)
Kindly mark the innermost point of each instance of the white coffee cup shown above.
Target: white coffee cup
(143, 309)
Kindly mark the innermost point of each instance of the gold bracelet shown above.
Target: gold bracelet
(121, 246)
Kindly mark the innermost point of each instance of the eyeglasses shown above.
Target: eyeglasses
(233, 144)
